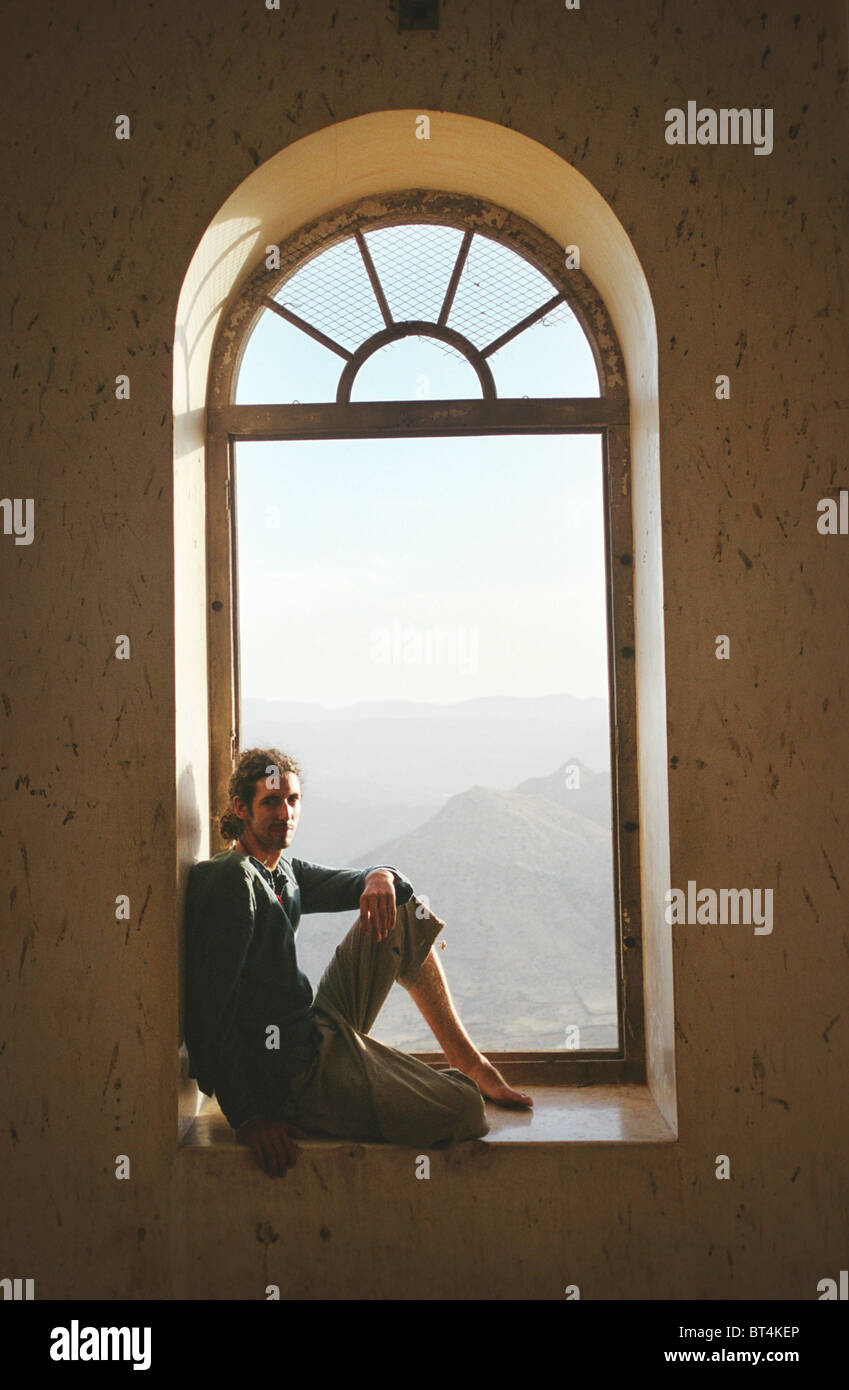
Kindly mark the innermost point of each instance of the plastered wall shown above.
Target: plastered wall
(741, 254)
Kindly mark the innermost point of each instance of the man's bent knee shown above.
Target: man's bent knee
(471, 1122)
(417, 927)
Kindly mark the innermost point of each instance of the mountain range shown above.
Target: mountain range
(523, 880)
(375, 770)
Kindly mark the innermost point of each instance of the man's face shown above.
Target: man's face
(271, 821)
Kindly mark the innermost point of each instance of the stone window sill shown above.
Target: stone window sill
(624, 1114)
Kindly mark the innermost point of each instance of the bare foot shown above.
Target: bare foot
(493, 1086)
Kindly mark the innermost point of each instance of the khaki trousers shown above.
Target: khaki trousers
(357, 1088)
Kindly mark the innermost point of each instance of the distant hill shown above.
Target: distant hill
(524, 884)
(502, 706)
(374, 770)
(590, 797)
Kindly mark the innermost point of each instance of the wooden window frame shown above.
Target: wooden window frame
(606, 415)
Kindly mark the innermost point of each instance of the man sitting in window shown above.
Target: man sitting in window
(281, 1061)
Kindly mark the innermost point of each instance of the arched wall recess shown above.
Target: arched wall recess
(378, 154)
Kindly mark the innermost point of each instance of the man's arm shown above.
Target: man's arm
(219, 932)
(377, 904)
(340, 890)
(403, 886)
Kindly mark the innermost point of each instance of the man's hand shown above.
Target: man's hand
(377, 905)
(273, 1144)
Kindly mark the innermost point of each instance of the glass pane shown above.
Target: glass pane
(333, 293)
(551, 358)
(414, 265)
(423, 625)
(416, 369)
(282, 365)
(497, 289)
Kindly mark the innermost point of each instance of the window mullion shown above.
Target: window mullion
(307, 328)
(524, 323)
(455, 279)
(374, 278)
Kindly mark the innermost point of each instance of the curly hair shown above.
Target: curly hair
(254, 763)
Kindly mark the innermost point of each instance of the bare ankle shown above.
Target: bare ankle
(464, 1059)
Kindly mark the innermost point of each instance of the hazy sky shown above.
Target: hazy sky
(422, 569)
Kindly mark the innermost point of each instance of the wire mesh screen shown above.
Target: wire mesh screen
(497, 290)
(333, 293)
(414, 263)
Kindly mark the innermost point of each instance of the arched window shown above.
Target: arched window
(465, 300)
(330, 340)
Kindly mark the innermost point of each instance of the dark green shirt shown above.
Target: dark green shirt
(249, 1009)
